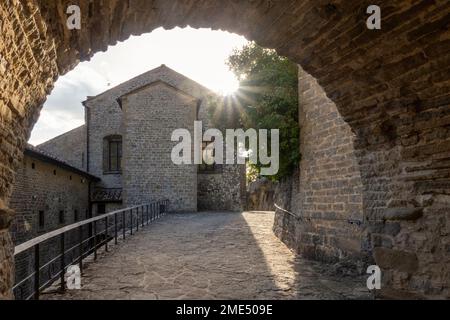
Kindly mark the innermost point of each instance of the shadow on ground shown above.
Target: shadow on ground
(211, 255)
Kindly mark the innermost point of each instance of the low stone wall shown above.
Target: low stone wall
(260, 195)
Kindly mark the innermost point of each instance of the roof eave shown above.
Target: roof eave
(40, 156)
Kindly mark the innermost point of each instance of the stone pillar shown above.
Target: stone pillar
(27, 72)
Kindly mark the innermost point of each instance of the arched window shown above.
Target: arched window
(112, 154)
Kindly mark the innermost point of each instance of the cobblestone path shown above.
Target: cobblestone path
(209, 256)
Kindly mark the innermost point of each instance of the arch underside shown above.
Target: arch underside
(391, 86)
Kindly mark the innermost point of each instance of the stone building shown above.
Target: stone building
(126, 142)
(48, 194)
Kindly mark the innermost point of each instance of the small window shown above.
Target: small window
(33, 166)
(112, 154)
(41, 219)
(54, 172)
(62, 218)
(101, 208)
(91, 9)
(76, 216)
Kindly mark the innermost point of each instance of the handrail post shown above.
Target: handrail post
(37, 279)
(63, 263)
(95, 240)
(137, 219)
(159, 209)
(106, 234)
(153, 211)
(131, 221)
(115, 228)
(80, 240)
(124, 224)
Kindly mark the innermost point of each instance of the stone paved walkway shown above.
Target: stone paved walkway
(209, 256)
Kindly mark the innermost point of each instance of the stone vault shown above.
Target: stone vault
(390, 85)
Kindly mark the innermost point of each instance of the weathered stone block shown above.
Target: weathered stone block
(397, 260)
(388, 228)
(6, 216)
(402, 213)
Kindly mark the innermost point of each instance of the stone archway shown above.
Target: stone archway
(390, 85)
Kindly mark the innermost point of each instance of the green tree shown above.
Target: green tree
(267, 99)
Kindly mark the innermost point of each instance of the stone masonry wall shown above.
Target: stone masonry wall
(261, 195)
(330, 188)
(151, 114)
(70, 147)
(224, 190)
(39, 189)
(105, 116)
(25, 80)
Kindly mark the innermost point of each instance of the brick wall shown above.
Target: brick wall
(329, 188)
(151, 114)
(381, 177)
(40, 189)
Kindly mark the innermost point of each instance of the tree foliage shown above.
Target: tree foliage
(267, 99)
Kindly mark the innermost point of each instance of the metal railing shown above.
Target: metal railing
(356, 222)
(124, 221)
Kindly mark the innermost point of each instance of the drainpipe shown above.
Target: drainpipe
(87, 120)
(87, 115)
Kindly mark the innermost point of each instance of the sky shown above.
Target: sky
(199, 54)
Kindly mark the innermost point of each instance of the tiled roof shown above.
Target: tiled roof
(42, 155)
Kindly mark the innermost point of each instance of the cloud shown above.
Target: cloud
(52, 124)
(63, 110)
(199, 54)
